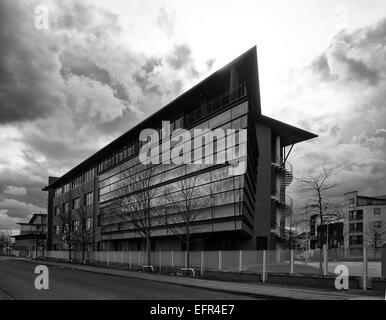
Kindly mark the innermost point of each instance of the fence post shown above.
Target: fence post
(172, 259)
(325, 262)
(160, 257)
(122, 257)
(219, 260)
(292, 262)
(364, 269)
(108, 258)
(186, 258)
(201, 262)
(114, 257)
(139, 258)
(130, 259)
(263, 275)
(240, 260)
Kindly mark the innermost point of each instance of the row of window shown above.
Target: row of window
(239, 121)
(88, 201)
(86, 176)
(213, 178)
(186, 122)
(75, 225)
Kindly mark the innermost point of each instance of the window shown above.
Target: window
(356, 240)
(377, 211)
(58, 191)
(75, 225)
(377, 224)
(89, 199)
(89, 223)
(57, 229)
(65, 207)
(351, 202)
(57, 211)
(76, 203)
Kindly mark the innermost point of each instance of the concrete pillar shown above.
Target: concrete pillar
(383, 262)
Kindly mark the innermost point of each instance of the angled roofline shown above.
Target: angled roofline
(255, 97)
(291, 133)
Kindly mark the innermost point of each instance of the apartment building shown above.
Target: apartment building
(364, 221)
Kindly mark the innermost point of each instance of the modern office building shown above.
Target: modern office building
(232, 209)
(364, 221)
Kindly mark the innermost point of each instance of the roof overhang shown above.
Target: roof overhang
(289, 134)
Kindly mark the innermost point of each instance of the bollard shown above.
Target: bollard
(292, 262)
(219, 260)
(172, 259)
(130, 259)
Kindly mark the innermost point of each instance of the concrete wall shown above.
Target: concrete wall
(263, 194)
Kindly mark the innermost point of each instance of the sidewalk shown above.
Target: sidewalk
(258, 290)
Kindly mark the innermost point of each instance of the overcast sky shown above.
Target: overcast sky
(102, 66)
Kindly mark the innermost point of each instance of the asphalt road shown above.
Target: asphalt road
(17, 282)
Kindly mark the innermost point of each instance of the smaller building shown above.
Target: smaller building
(32, 235)
(364, 221)
(331, 231)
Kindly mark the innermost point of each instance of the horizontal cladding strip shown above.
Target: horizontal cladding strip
(102, 178)
(241, 218)
(103, 184)
(229, 106)
(172, 181)
(109, 221)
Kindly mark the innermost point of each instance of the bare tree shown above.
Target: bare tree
(67, 232)
(5, 241)
(375, 234)
(320, 203)
(136, 202)
(84, 229)
(40, 233)
(184, 199)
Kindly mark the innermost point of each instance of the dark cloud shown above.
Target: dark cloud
(151, 64)
(180, 57)
(85, 67)
(358, 70)
(25, 65)
(321, 67)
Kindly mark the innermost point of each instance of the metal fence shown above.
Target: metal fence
(362, 263)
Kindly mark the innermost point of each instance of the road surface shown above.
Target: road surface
(17, 280)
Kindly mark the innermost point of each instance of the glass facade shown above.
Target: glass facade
(215, 193)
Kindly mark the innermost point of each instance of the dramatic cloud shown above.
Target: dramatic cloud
(104, 66)
(69, 90)
(15, 191)
(341, 98)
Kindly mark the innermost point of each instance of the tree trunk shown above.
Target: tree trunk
(148, 248)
